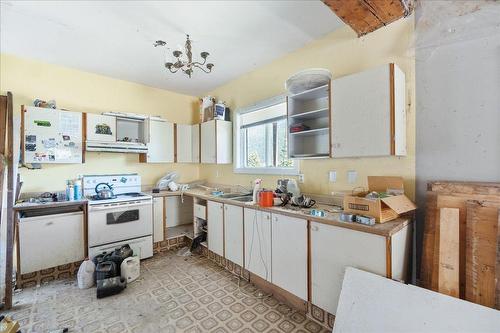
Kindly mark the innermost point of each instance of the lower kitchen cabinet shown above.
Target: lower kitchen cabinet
(215, 226)
(335, 248)
(233, 233)
(158, 219)
(258, 242)
(289, 252)
(50, 240)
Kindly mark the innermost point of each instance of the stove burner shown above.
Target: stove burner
(96, 197)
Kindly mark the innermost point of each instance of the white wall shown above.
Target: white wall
(457, 49)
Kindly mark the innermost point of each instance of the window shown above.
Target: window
(261, 139)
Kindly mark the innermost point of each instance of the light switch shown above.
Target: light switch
(332, 176)
(352, 175)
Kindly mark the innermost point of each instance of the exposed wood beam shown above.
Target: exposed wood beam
(365, 16)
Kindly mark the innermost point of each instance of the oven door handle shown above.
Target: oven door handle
(121, 205)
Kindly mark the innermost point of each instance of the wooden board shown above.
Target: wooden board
(430, 252)
(486, 188)
(481, 252)
(365, 16)
(430, 233)
(448, 273)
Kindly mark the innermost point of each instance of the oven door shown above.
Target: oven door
(115, 222)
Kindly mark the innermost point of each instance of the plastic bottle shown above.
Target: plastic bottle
(71, 192)
(78, 189)
(256, 189)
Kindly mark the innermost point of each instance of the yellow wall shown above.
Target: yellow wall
(85, 92)
(343, 53)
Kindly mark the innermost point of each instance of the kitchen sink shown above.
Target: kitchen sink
(246, 198)
(231, 195)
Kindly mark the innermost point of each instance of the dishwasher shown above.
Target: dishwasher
(49, 238)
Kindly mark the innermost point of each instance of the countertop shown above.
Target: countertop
(386, 229)
(51, 204)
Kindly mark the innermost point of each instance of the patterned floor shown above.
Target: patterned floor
(173, 294)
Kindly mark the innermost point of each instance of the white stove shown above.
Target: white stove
(126, 218)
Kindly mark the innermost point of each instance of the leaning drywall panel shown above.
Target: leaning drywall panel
(371, 303)
(457, 51)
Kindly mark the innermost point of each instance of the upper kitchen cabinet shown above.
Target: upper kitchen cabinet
(187, 143)
(309, 123)
(369, 113)
(101, 127)
(116, 132)
(160, 141)
(51, 136)
(216, 142)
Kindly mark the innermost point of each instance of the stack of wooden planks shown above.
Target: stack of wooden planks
(461, 246)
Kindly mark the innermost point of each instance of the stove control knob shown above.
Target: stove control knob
(123, 180)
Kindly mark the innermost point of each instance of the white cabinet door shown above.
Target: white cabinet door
(158, 219)
(289, 251)
(208, 142)
(50, 240)
(233, 233)
(363, 108)
(161, 142)
(216, 142)
(215, 223)
(184, 143)
(195, 143)
(224, 139)
(258, 242)
(335, 248)
(101, 128)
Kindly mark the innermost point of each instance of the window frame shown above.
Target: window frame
(239, 153)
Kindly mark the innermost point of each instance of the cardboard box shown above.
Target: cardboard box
(383, 209)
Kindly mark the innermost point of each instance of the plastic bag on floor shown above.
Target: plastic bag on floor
(184, 252)
(85, 274)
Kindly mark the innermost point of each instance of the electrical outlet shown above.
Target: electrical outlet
(352, 175)
(301, 178)
(332, 176)
(217, 174)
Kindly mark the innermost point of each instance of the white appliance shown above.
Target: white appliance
(50, 240)
(116, 132)
(126, 218)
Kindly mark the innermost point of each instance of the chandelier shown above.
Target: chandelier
(186, 65)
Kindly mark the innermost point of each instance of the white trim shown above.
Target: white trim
(237, 141)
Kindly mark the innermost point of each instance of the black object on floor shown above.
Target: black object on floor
(105, 270)
(197, 241)
(111, 286)
(120, 254)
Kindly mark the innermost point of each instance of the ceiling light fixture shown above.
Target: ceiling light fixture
(186, 65)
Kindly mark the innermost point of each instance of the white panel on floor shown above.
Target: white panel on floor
(371, 303)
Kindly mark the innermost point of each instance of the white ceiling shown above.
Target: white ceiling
(115, 38)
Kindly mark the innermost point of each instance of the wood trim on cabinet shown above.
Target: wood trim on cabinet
(330, 139)
(85, 209)
(175, 143)
(84, 135)
(388, 257)
(23, 110)
(165, 229)
(309, 263)
(393, 109)
(18, 252)
(216, 158)
(223, 230)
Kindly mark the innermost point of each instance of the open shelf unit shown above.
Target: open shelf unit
(310, 109)
(199, 217)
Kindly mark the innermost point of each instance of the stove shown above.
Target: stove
(126, 218)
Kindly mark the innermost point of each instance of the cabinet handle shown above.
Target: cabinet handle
(314, 228)
(49, 223)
